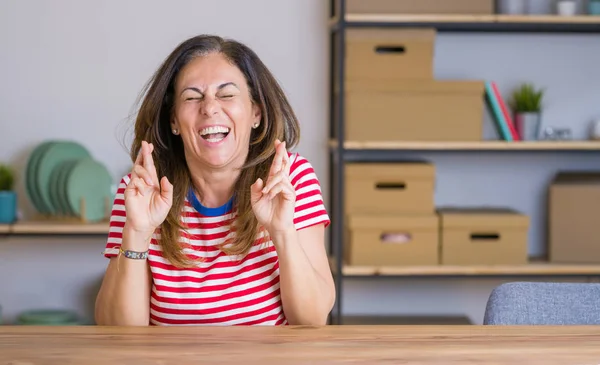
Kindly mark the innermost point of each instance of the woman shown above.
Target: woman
(210, 152)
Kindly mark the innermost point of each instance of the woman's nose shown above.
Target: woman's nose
(210, 107)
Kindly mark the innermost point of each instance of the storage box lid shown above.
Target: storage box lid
(473, 217)
(391, 36)
(577, 178)
(391, 170)
(437, 86)
(392, 222)
(426, 7)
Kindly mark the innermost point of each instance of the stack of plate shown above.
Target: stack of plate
(63, 179)
(48, 317)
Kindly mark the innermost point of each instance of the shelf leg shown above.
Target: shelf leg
(337, 183)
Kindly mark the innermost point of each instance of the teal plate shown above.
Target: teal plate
(54, 156)
(89, 181)
(47, 317)
(54, 199)
(30, 176)
(62, 187)
(57, 196)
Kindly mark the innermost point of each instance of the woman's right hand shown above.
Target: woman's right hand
(147, 201)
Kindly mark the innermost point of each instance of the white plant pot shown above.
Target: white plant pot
(528, 125)
(567, 7)
(513, 7)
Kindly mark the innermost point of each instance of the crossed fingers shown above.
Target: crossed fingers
(143, 175)
(279, 179)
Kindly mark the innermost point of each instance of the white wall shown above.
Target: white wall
(73, 68)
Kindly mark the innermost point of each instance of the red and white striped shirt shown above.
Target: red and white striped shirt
(221, 290)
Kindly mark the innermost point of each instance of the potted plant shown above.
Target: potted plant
(8, 197)
(527, 109)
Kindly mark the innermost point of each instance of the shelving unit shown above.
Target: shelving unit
(342, 151)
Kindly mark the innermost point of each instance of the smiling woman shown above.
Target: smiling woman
(217, 223)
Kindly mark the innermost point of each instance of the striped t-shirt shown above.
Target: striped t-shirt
(221, 290)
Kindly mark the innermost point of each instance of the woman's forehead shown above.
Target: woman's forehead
(210, 71)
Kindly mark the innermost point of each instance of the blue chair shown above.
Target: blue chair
(528, 303)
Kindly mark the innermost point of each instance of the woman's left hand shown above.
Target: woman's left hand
(274, 202)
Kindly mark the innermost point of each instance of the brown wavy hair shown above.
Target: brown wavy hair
(152, 124)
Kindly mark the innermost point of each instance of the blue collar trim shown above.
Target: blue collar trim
(209, 212)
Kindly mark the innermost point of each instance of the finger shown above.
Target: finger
(277, 160)
(255, 190)
(130, 189)
(138, 161)
(285, 157)
(287, 164)
(274, 191)
(140, 157)
(284, 189)
(142, 173)
(149, 163)
(166, 190)
(273, 180)
(140, 186)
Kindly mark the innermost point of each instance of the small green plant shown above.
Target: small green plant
(7, 178)
(527, 99)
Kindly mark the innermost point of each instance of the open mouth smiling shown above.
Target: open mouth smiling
(214, 134)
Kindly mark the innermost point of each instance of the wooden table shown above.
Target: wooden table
(300, 345)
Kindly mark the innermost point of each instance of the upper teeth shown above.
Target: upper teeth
(214, 129)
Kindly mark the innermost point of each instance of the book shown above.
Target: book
(497, 113)
(507, 117)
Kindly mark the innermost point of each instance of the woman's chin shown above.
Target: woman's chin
(218, 155)
(217, 159)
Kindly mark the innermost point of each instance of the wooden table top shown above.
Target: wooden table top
(300, 345)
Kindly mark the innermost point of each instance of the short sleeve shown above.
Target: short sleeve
(117, 220)
(310, 209)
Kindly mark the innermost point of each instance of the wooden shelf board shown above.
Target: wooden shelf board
(59, 227)
(533, 268)
(471, 18)
(4, 228)
(425, 18)
(558, 19)
(475, 146)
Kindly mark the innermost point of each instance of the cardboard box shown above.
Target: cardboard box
(392, 240)
(574, 214)
(390, 188)
(483, 236)
(373, 55)
(415, 110)
(420, 6)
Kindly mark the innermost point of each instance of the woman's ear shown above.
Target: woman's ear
(174, 127)
(256, 114)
